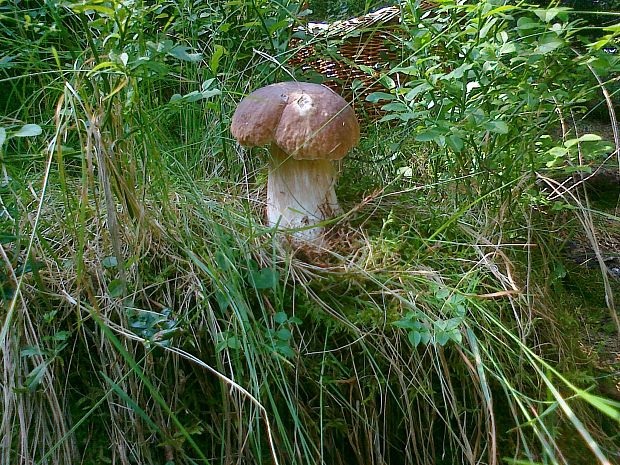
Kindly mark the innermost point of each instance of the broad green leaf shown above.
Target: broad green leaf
(456, 336)
(264, 279)
(207, 94)
(442, 293)
(525, 23)
(280, 318)
(590, 138)
(29, 130)
(116, 288)
(452, 323)
(547, 15)
(181, 53)
(455, 143)
(417, 90)
(442, 337)
(376, 96)
(409, 70)
(395, 106)
(430, 135)
(284, 334)
(497, 126)
(548, 43)
(233, 342)
(284, 349)
(557, 152)
(508, 47)
(408, 324)
(109, 262)
(585, 138)
(414, 338)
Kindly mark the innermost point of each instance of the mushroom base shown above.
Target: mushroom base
(300, 193)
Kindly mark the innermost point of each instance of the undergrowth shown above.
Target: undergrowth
(149, 315)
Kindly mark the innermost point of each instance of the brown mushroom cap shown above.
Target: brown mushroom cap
(307, 121)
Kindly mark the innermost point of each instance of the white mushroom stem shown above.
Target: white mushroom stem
(300, 193)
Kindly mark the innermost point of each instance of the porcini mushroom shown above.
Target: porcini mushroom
(308, 126)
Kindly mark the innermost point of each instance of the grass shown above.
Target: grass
(150, 317)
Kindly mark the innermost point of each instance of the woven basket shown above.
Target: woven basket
(359, 49)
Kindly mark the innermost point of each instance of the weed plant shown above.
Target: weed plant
(149, 316)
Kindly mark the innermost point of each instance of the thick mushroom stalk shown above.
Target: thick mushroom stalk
(308, 126)
(300, 193)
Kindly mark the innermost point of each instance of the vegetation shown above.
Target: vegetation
(149, 316)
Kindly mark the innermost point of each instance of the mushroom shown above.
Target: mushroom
(308, 126)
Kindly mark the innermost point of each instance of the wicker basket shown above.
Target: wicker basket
(359, 49)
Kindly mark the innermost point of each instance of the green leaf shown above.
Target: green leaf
(417, 90)
(215, 58)
(31, 351)
(280, 318)
(499, 9)
(181, 53)
(452, 323)
(28, 130)
(456, 336)
(376, 96)
(409, 70)
(264, 279)
(284, 349)
(2, 137)
(233, 343)
(612, 28)
(455, 143)
(442, 337)
(395, 106)
(284, 334)
(34, 378)
(525, 23)
(547, 15)
(61, 336)
(497, 126)
(407, 324)
(222, 300)
(557, 152)
(116, 288)
(585, 138)
(414, 338)
(109, 262)
(430, 135)
(548, 43)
